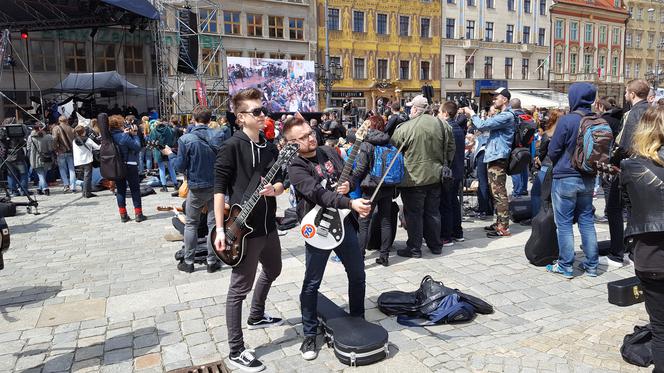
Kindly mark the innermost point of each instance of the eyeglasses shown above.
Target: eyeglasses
(303, 138)
(257, 111)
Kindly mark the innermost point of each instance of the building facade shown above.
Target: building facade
(487, 44)
(280, 29)
(643, 39)
(388, 49)
(588, 45)
(45, 58)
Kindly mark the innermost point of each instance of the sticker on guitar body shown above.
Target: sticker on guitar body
(308, 230)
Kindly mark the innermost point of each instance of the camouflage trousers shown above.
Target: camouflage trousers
(497, 174)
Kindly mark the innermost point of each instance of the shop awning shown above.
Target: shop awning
(541, 98)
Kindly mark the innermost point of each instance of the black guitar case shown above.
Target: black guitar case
(625, 292)
(374, 228)
(542, 246)
(355, 341)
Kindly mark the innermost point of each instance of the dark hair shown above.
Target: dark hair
(605, 103)
(245, 95)
(377, 123)
(292, 122)
(639, 87)
(202, 114)
(396, 106)
(451, 108)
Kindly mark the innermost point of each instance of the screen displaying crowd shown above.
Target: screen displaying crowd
(287, 85)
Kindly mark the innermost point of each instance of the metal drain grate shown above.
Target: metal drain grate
(216, 367)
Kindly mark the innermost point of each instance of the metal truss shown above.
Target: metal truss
(166, 63)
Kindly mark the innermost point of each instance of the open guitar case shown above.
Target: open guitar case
(355, 341)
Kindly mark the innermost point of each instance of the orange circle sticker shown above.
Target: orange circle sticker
(308, 230)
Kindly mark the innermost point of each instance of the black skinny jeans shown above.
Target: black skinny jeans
(131, 178)
(484, 199)
(653, 289)
(421, 208)
(383, 214)
(614, 212)
(450, 212)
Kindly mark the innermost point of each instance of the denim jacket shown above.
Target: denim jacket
(501, 134)
(129, 146)
(195, 158)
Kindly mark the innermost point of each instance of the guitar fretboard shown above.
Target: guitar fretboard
(251, 202)
(348, 167)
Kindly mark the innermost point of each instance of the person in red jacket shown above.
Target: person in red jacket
(269, 129)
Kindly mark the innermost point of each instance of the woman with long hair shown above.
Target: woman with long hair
(383, 201)
(542, 162)
(642, 182)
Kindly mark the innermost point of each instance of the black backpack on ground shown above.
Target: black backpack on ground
(637, 347)
(524, 133)
(111, 164)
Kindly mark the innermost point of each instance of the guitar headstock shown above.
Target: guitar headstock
(362, 131)
(288, 152)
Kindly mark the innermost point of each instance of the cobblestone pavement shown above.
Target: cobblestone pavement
(83, 292)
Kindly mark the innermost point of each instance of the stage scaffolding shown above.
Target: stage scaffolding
(167, 33)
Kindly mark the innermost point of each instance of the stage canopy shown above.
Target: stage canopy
(36, 15)
(107, 81)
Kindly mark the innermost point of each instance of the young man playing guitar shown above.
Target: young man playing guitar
(307, 172)
(241, 163)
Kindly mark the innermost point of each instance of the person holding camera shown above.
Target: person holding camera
(129, 144)
(40, 150)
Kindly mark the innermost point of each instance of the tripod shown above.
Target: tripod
(31, 201)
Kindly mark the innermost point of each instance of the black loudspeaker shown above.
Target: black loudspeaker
(188, 54)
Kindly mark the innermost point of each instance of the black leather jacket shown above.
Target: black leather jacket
(642, 183)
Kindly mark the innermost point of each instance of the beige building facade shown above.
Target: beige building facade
(487, 44)
(644, 37)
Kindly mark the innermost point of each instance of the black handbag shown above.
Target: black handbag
(637, 347)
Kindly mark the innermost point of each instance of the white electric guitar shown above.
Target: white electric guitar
(323, 227)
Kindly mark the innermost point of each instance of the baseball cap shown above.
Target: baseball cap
(419, 101)
(503, 92)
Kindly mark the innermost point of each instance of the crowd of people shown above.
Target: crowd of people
(443, 146)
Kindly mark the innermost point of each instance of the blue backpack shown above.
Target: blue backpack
(383, 156)
(451, 309)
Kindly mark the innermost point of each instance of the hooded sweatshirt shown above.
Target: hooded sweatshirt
(237, 161)
(163, 134)
(563, 142)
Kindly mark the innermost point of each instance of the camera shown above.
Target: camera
(463, 102)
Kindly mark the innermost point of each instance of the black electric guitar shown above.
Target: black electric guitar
(235, 224)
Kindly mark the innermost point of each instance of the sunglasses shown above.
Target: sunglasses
(257, 111)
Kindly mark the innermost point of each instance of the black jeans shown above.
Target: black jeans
(315, 262)
(87, 179)
(383, 215)
(484, 200)
(421, 208)
(614, 212)
(653, 289)
(131, 179)
(450, 212)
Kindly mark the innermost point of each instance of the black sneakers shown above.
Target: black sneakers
(184, 267)
(213, 267)
(124, 218)
(308, 348)
(140, 218)
(246, 361)
(265, 322)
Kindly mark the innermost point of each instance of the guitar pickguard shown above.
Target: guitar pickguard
(329, 223)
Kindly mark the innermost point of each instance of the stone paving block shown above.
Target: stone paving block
(147, 361)
(174, 353)
(65, 313)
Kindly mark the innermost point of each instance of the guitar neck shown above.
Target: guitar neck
(348, 166)
(249, 205)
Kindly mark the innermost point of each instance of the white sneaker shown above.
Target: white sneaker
(604, 260)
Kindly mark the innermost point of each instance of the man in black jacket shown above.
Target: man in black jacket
(636, 94)
(306, 173)
(241, 164)
(395, 119)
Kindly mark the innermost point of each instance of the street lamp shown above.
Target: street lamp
(327, 74)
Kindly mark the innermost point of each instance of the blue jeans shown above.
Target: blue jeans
(66, 166)
(141, 161)
(171, 171)
(315, 261)
(484, 199)
(41, 174)
(148, 160)
(573, 198)
(520, 183)
(21, 171)
(536, 191)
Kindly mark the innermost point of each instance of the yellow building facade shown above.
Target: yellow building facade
(388, 49)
